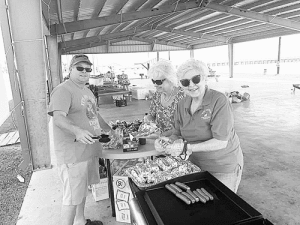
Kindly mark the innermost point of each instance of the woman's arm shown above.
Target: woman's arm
(207, 146)
(152, 109)
(176, 134)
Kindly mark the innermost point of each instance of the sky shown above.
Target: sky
(253, 50)
(260, 49)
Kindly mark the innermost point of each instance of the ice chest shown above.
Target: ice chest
(139, 92)
(159, 206)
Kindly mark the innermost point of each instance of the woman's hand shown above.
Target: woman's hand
(176, 148)
(161, 143)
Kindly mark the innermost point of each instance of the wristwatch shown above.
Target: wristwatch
(184, 155)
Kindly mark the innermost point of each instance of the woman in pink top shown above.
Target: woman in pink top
(166, 97)
(204, 120)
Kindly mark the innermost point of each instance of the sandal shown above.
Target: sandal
(96, 222)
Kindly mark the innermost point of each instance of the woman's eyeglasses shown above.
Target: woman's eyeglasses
(186, 82)
(80, 68)
(158, 82)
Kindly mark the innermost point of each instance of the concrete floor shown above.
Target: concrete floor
(268, 126)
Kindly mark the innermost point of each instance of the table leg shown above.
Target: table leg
(110, 188)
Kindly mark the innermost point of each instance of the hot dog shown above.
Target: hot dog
(182, 185)
(207, 193)
(193, 195)
(202, 193)
(183, 198)
(201, 198)
(171, 189)
(176, 188)
(178, 194)
(188, 196)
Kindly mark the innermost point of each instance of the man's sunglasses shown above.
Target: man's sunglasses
(80, 68)
(158, 82)
(186, 82)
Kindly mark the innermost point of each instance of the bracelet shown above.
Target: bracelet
(184, 147)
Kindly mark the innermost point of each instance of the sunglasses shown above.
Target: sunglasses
(186, 82)
(80, 68)
(158, 82)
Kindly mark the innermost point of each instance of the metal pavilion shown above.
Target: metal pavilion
(36, 33)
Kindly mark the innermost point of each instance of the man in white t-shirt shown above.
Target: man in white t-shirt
(76, 121)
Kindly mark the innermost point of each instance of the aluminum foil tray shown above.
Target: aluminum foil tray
(153, 172)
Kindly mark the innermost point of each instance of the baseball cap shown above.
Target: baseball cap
(80, 58)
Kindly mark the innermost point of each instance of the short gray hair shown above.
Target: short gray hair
(163, 69)
(193, 64)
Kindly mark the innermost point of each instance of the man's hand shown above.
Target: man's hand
(84, 136)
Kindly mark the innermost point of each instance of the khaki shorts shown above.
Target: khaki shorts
(76, 177)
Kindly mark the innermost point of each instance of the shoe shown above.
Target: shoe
(89, 222)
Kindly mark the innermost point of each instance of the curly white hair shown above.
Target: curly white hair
(163, 69)
(193, 64)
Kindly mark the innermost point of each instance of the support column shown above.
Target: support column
(157, 56)
(54, 77)
(278, 57)
(28, 51)
(59, 62)
(192, 53)
(230, 59)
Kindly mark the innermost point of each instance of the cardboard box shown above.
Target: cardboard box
(139, 93)
(100, 190)
(122, 193)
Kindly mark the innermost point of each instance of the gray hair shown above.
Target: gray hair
(193, 64)
(163, 69)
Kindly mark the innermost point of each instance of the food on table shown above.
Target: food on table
(121, 127)
(193, 195)
(178, 194)
(176, 188)
(201, 198)
(148, 128)
(158, 170)
(182, 185)
(188, 196)
(207, 193)
(184, 198)
(203, 194)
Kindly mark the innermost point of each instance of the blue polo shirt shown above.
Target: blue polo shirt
(212, 119)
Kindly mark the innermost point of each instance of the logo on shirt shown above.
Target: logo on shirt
(91, 111)
(206, 114)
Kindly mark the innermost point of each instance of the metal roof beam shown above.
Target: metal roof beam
(206, 45)
(192, 34)
(263, 35)
(286, 23)
(170, 43)
(71, 27)
(99, 38)
(91, 45)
